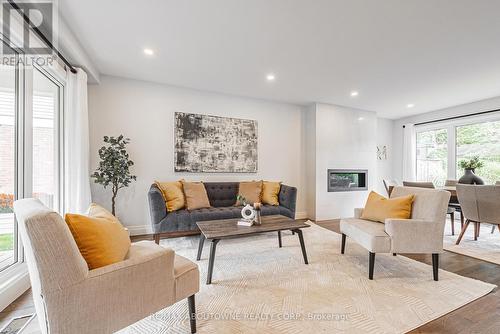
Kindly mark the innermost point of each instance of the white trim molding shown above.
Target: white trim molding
(15, 281)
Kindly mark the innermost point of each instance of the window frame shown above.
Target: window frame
(14, 278)
(451, 129)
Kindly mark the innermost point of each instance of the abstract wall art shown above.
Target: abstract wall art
(213, 144)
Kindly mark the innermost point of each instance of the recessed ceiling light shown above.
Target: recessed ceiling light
(410, 105)
(361, 118)
(354, 93)
(149, 52)
(270, 77)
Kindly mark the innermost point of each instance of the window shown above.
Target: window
(8, 149)
(441, 146)
(483, 140)
(45, 140)
(432, 156)
(30, 148)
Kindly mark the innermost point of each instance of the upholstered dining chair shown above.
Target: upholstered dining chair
(70, 298)
(450, 211)
(421, 234)
(480, 205)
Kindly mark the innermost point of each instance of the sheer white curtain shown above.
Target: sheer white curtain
(409, 152)
(77, 195)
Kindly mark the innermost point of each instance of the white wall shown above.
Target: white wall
(309, 125)
(464, 109)
(144, 112)
(346, 138)
(384, 167)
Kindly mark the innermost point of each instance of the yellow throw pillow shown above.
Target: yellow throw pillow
(251, 191)
(378, 208)
(101, 238)
(173, 194)
(196, 195)
(270, 192)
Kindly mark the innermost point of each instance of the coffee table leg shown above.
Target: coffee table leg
(279, 238)
(302, 246)
(213, 246)
(200, 246)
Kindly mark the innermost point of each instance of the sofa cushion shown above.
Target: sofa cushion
(222, 194)
(251, 191)
(173, 194)
(270, 192)
(196, 195)
(378, 208)
(371, 235)
(100, 237)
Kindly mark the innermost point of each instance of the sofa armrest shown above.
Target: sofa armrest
(157, 207)
(358, 212)
(415, 236)
(288, 197)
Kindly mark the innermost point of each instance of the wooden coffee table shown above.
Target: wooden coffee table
(215, 230)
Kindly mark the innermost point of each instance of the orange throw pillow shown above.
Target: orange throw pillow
(378, 208)
(196, 195)
(101, 238)
(270, 192)
(251, 191)
(173, 194)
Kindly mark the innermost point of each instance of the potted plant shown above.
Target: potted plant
(114, 167)
(470, 166)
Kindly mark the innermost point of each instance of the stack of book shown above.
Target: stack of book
(245, 222)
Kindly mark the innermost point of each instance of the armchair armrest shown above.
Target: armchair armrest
(141, 254)
(358, 212)
(288, 197)
(415, 235)
(157, 207)
(117, 295)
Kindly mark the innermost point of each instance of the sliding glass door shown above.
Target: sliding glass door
(31, 111)
(432, 156)
(8, 164)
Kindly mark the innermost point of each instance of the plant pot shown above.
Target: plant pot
(470, 178)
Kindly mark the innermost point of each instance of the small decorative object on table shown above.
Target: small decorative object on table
(248, 214)
(257, 207)
(469, 167)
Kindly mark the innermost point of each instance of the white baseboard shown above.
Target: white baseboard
(140, 229)
(13, 284)
(301, 215)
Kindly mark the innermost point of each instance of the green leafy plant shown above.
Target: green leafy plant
(114, 167)
(472, 163)
(241, 199)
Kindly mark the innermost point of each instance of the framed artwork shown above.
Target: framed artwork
(213, 144)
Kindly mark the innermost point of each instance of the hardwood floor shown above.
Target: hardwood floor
(480, 316)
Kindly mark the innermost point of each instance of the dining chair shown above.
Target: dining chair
(389, 185)
(479, 205)
(454, 200)
(450, 211)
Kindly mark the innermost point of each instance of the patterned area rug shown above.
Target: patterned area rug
(259, 288)
(486, 247)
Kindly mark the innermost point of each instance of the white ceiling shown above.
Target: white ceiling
(434, 54)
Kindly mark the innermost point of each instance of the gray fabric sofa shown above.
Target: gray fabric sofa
(222, 196)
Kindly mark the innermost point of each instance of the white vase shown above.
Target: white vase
(248, 212)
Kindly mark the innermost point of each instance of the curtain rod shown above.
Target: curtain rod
(41, 35)
(457, 117)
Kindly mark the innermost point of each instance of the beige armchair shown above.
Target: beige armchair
(422, 234)
(70, 298)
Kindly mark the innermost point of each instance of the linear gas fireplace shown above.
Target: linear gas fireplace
(347, 179)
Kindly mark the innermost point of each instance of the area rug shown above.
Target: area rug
(486, 247)
(260, 288)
